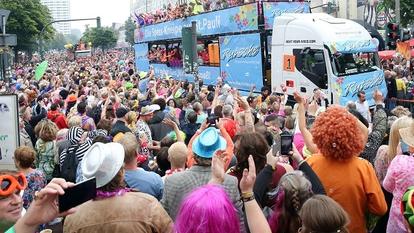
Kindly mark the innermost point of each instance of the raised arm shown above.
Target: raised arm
(307, 136)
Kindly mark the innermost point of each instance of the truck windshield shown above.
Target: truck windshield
(354, 63)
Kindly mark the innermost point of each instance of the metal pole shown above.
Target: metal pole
(348, 9)
(397, 11)
(3, 56)
(3, 20)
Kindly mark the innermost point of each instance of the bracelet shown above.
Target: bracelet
(247, 194)
(247, 199)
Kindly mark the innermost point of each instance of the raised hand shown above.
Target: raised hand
(249, 177)
(217, 167)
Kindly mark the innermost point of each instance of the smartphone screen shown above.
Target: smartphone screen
(286, 144)
(212, 120)
(78, 194)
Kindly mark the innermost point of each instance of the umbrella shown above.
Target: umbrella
(40, 70)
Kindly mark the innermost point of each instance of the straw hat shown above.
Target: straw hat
(407, 135)
(103, 161)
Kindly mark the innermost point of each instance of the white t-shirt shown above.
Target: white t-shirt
(363, 108)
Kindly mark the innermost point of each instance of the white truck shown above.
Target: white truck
(337, 56)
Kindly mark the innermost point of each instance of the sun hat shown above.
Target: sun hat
(149, 109)
(103, 161)
(407, 135)
(407, 205)
(208, 142)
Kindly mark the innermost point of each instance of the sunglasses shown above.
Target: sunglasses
(11, 183)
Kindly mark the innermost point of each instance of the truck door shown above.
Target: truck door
(311, 63)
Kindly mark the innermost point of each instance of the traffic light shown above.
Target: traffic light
(393, 35)
(98, 22)
(406, 35)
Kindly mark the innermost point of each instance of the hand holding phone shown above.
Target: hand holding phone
(286, 144)
(78, 194)
(272, 157)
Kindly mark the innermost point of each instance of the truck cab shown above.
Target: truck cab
(318, 51)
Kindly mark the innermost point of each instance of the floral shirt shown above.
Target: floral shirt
(399, 177)
(144, 137)
(381, 163)
(36, 180)
(45, 160)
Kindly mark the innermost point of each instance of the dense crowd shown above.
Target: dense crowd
(176, 156)
(193, 7)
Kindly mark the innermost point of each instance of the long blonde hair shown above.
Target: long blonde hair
(394, 138)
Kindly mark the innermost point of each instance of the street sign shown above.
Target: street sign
(8, 40)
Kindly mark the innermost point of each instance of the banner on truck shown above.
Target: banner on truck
(347, 87)
(235, 19)
(9, 130)
(141, 56)
(273, 9)
(241, 61)
(208, 74)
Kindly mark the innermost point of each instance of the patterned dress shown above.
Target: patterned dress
(36, 180)
(45, 160)
(144, 137)
(399, 177)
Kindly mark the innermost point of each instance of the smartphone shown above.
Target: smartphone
(212, 120)
(78, 194)
(275, 149)
(286, 144)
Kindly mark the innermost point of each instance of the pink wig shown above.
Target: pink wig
(207, 209)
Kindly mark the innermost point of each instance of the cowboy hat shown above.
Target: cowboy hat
(208, 142)
(103, 161)
(407, 135)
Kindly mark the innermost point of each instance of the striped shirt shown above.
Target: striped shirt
(80, 150)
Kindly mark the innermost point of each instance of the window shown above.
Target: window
(354, 63)
(311, 63)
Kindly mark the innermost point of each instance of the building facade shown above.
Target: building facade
(59, 9)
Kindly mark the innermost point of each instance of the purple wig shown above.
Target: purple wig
(207, 209)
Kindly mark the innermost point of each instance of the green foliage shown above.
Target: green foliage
(102, 37)
(26, 20)
(57, 42)
(406, 9)
(129, 31)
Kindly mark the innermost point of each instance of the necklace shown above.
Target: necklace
(116, 193)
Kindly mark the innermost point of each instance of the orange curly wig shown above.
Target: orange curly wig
(337, 135)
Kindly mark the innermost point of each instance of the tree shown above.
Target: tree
(102, 37)
(406, 10)
(129, 31)
(26, 20)
(57, 42)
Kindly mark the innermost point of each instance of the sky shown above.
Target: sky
(109, 10)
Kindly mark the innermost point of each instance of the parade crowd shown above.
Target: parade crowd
(184, 157)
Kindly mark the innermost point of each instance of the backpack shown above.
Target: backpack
(95, 113)
(69, 166)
